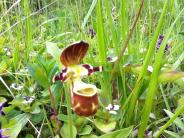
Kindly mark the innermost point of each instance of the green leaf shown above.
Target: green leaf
(89, 13)
(15, 125)
(53, 50)
(63, 117)
(3, 66)
(65, 132)
(170, 76)
(172, 134)
(122, 133)
(39, 75)
(19, 102)
(90, 136)
(57, 136)
(42, 71)
(29, 136)
(85, 130)
(2, 100)
(103, 126)
(177, 121)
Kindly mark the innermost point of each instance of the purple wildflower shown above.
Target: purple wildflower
(92, 33)
(2, 104)
(1, 134)
(159, 42)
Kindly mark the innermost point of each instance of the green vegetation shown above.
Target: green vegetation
(139, 44)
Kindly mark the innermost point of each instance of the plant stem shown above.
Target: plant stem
(48, 123)
(67, 91)
(127, 40)
(52, 101)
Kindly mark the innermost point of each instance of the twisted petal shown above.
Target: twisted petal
(91, 69)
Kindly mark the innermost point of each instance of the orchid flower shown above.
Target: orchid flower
(84, 96)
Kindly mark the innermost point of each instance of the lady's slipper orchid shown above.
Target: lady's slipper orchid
(71, 58)
(84, 96)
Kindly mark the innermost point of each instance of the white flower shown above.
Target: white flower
(112, 108)
(150, 68)
(16, 87)
(28, 99)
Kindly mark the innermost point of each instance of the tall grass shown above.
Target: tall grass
(26, 28)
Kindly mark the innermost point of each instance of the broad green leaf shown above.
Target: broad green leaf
(122, 133)
(29, 136)
(63, 117)
(15, 125)
(170, 76)
(85, 130)
(65, 132)
(53, 50)
(39, 75)
(103, 126)
(57, 136)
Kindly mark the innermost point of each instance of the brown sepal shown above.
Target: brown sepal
(73, 54)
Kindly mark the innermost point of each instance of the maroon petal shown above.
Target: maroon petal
(73, 54)
(91, 69)
(62, 76)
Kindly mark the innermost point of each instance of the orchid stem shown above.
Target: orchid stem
(70, 125)
(52, 101)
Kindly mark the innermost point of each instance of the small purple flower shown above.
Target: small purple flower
(92, 33)
(2, 104)
(1, 134)
(159, 42)
(1, 111)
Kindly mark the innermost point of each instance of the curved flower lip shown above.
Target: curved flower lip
(83, 89)
(74, 53)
